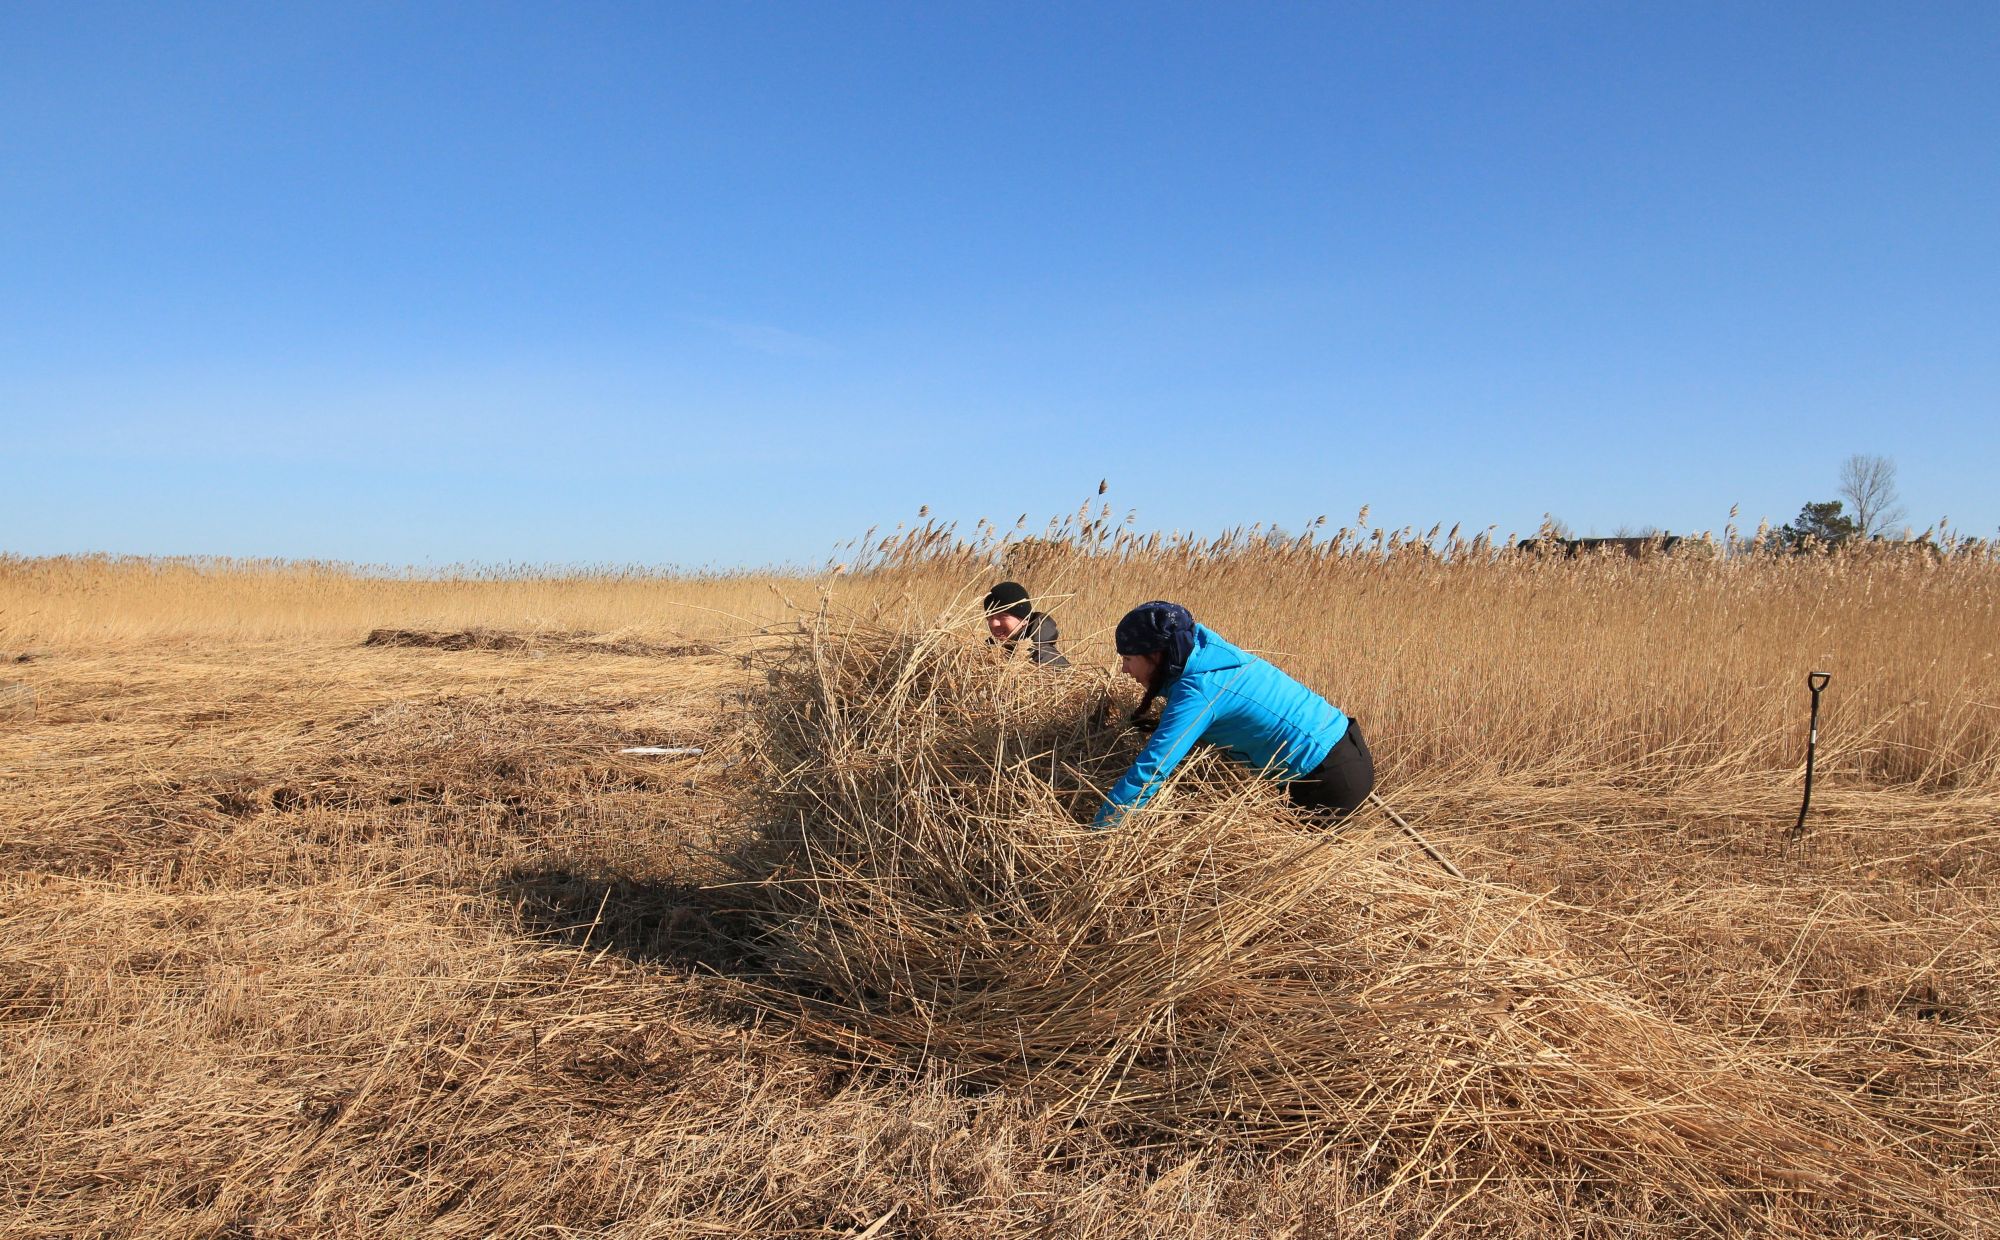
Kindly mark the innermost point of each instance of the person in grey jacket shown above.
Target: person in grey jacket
(1011, 619)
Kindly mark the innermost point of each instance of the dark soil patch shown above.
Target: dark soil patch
(469, 639)
(573, 643)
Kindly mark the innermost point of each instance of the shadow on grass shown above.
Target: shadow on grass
(679, 924)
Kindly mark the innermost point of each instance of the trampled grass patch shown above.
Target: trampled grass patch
(305, 936)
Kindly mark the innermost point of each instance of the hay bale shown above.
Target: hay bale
(1217, 970)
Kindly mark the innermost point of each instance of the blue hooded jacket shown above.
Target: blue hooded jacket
(1229, 697)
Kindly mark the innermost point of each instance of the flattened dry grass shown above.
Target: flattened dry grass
(300, 936)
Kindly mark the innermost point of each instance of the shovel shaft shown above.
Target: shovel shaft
(1419, 840)
(1815, 681)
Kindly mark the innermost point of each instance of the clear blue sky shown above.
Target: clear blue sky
(714, 284)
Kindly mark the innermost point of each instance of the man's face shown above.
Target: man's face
(1004, 624)
(1140, 667)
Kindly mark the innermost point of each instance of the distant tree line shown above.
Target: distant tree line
(1867, 507)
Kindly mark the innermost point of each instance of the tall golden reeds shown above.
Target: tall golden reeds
(1454, 651)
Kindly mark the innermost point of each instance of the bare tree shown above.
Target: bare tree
(1868, 484)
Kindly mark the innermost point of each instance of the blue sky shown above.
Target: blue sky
(726, 284)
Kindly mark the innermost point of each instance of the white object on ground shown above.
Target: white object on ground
(657, 751)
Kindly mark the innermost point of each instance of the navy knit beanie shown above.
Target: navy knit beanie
(1158, 627)
(1010, 598)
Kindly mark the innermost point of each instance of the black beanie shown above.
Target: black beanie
(1159, 628)
(1010, 597)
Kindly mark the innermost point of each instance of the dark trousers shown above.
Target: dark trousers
(1339, 785)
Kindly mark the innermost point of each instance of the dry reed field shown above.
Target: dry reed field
(331, 907)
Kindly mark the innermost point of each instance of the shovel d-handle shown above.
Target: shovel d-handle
(1817, 682)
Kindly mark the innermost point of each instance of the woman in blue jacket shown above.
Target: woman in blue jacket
(1226, 696)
